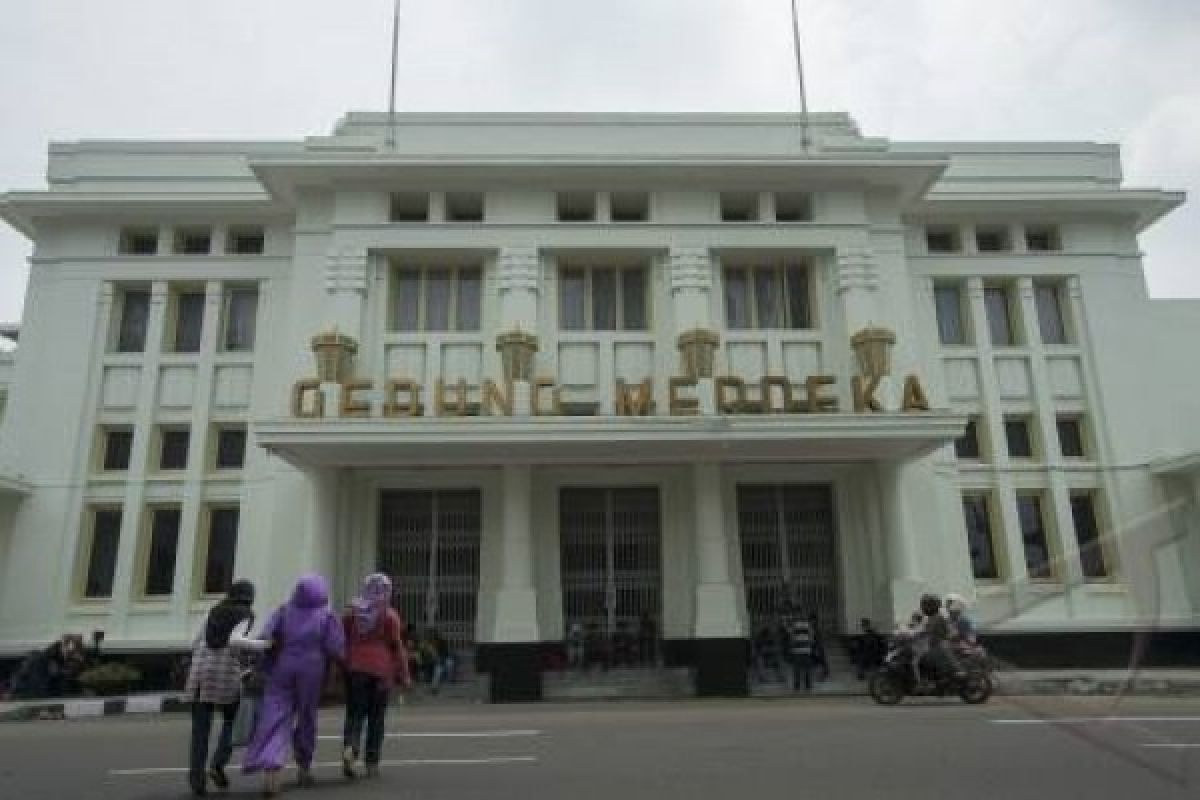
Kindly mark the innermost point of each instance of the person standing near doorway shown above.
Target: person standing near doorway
(214, 683)
(375, 660)
(800, 650)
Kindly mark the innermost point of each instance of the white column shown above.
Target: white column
(905, 582)
(516, 602)
(717, 600)
(857, 286)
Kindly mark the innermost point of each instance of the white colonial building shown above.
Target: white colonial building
(548, 369)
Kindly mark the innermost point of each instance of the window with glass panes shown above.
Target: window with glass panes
(188, 307)
(951, 322)
(999, 315)
(1051, 322)
(1070, 437)
(117, 447)
(1034, 537)
(173, 448)
(231, 447)
(603, 298)
(967, 446)
(240, 315)
(221, 555)
(1018, 437)
(161, 551)
(1087, 532)
(980, 543)
(134, 316)
(436, 298)
(102, 546)
(771, 296)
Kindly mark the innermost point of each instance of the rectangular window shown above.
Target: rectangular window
(409, 207)
(134, 319)
(161, 551)
(793, 207)
(1038, 560)
(193, 241)
(576, 206)
(739, 207)
(942, 239)
(992, 239)
(222, 550)
(769, 297)
(967, 447)
(173, 449)
(1042, 239)
(240, 315)
(436, 298)
(102, 548)
(464, 207)
(1018, 438)
(630, 206)
(999, 315)
(1051, 322)
(231, 447)
(138, 242)
(246, 241)
(117, 448)
(188, 313)
(1070, 437)
(948, 303)
(1087, 533)
(977, 514)
(602, 299)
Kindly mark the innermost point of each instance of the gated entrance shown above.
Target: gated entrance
(611, 554)
(429, 545)
(789, 552)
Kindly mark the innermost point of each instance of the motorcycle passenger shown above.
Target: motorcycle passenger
(938, 654)
(962, 630)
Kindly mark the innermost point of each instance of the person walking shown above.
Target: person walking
(375, 659)
(214, 683)
(304, 636)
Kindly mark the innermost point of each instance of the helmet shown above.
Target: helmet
(956, 603)
(930, 604)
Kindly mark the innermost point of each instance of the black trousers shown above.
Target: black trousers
(366, 703)
(202, 719)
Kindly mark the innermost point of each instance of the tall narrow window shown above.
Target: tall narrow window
(1018, 437)
(441, 298)
(1087, 531)
(948, 302)
(1038, 559)
(438, 287)
(999, 314)
(978, 518)
(241, 319)
(102, 546)
(966, 447)
(1070, 437)
(602, 298)
(768, 297)
(117, 448)
(230, 447)
(1053, 325)
(221, 556)
(161, 551)
(135, 316)
(189, 321)
(173, 448)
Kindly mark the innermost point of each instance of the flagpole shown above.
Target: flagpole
(391, 135)
(805, 140)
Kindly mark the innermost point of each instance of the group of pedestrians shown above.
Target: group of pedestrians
(295, 649)
(587, 646)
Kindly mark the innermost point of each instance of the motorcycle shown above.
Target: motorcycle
(897, 679)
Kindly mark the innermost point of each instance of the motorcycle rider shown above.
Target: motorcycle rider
(935, 637)
(962, 630)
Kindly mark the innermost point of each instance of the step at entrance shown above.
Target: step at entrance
(619, 684)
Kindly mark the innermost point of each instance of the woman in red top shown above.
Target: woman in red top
(375, 659)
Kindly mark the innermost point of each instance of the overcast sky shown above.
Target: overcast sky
(1107, 70)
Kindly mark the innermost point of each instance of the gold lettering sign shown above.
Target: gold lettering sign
(784, 387)
(300, 391)
(540, 385)
(393, 406)
(817, 402)
(682, 406)
(864, 394)
(635, 404)
(452, 401)
(495, 402)
(914, 395)
(351, 406)
(723, 386)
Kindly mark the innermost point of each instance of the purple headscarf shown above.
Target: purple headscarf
(372, 602)
(306, 609)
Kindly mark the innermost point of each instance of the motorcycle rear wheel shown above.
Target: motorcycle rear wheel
(976, 690)
(885, 689)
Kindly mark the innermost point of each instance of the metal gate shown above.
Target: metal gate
(789, 553)
(611, 554)
(429, 545)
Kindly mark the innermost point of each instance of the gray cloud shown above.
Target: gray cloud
(1107, 70)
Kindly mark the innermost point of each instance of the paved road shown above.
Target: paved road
(697, 750)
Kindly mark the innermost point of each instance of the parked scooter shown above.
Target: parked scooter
(897, 678)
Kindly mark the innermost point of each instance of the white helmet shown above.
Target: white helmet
(956, 603)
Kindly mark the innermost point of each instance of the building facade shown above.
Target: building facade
(600, 369)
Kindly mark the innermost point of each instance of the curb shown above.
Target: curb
(90, 708)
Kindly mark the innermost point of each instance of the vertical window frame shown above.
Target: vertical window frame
(147, 553)
(104, 438)
(783, 276)
(1025, 420)
(1100, 547)
(620, 309)
(221, 430)
(179, 313)
(1056, 331)
(204, 550)
(138, 340)
(996, 553)
(87, 551)
(228, 294)
(1011, 318)
(457, 272)
(1049, 540)
(964, 338)
(160, 450)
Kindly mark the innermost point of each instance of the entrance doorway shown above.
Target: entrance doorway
(429, 546)
(789, 553)
(611, 559)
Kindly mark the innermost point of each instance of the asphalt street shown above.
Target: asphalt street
(1036, 748)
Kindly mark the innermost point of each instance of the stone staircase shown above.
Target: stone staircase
(633, 683)
(841, 681)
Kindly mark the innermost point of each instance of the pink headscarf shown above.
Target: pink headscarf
(372, 602)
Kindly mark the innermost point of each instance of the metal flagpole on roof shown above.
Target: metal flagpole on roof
(391, 135)
(805, 140)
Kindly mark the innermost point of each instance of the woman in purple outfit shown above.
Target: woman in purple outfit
(304, 636)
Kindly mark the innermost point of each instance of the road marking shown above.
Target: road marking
(411, 762)
(448, 735)
(1080, 720)
(1172, 745)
